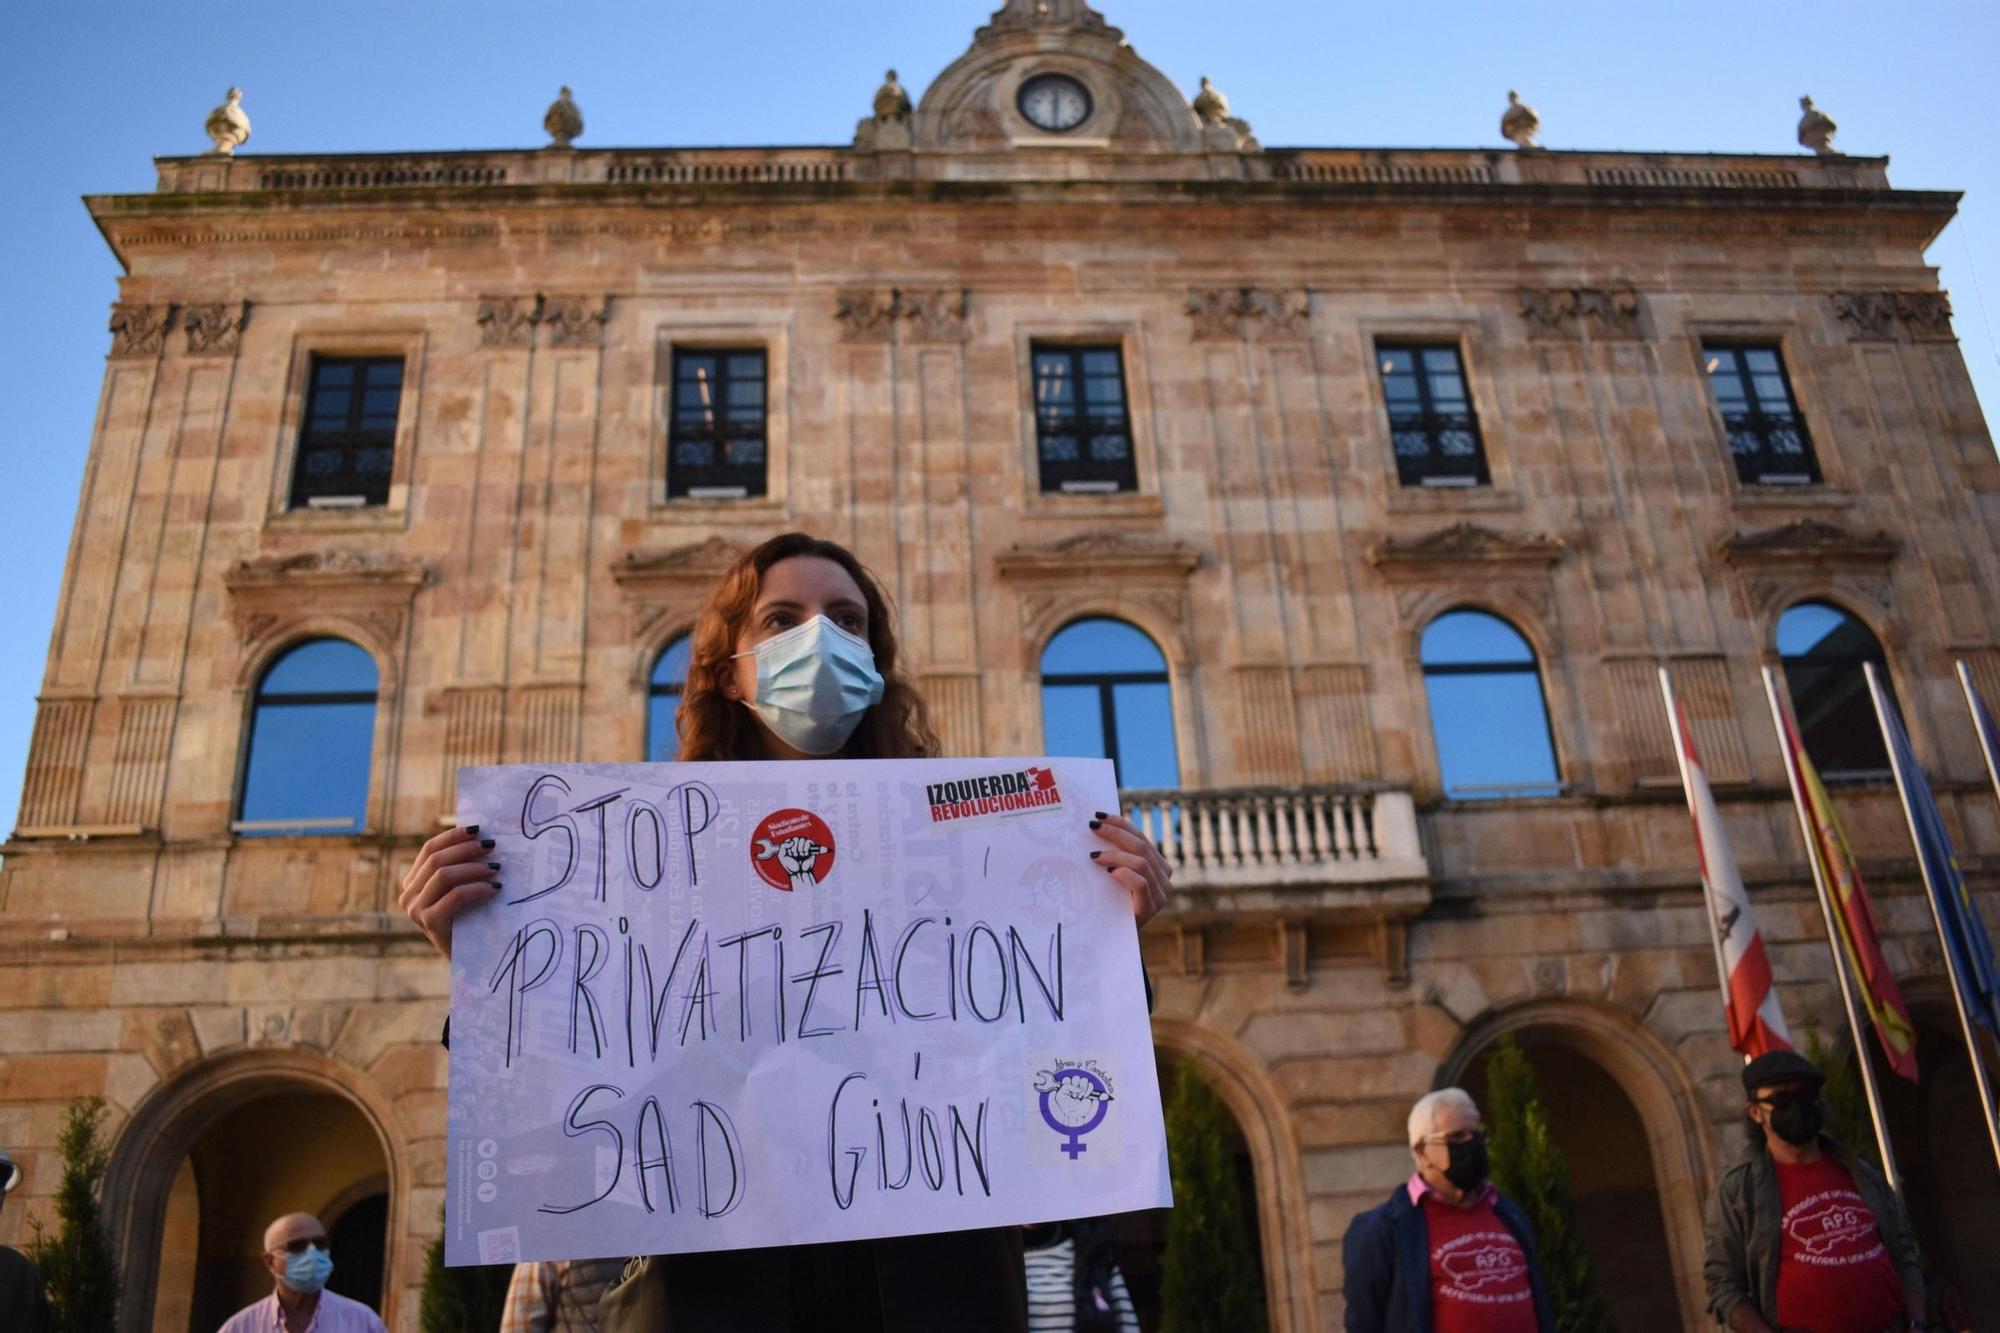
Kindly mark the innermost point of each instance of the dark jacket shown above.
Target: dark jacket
(1387, 1257)
(1741, 1241)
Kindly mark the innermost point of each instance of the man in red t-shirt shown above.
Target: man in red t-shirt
(1802, 1234)
(1446, 1253)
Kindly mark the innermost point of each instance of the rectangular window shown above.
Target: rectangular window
(1082, 429)
(715, 439)
(1431, 422)
(347, 447)
(1767, 436)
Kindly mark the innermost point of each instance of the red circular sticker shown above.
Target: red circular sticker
(792, 849)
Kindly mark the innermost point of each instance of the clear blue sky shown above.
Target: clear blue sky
(99, 88)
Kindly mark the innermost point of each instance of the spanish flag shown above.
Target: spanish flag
(1853, 916)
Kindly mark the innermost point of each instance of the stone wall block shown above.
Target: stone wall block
(127, 1080)
(1404, 1073)
(402, 1070)
(219, 1027)
(1454, 988)
(44, 984)
(1346, 1170)
(164, 1036)
(370, 1029)
(1348, 1123)
(50, 1078)
(1431, 1029)
(23, 1031)
(154, 983)
(1278, 1037)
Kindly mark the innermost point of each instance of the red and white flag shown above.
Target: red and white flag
(1756, 1023)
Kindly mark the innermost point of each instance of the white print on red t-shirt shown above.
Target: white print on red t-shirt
(1830, 1228)
(1480, 1261)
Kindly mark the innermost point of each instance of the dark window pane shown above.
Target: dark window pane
(335, 374)
(1432, 429)
(347, 441)
(1822, 649)
(1488, 716)
(1081, 426)
(1766, 438)
(716, 436)
(1102, 361)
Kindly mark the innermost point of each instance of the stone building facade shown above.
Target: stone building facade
(1348, 933)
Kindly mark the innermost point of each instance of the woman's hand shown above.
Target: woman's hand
(451, 875)
(1135, 863)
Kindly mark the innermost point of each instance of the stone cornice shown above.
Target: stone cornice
(1809, 541)
(695, 563)
(1091, 555)
(325, 569)
(1462, 547)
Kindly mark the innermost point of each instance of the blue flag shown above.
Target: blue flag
(1958, 918)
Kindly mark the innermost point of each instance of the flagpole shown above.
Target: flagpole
(1972, 706)
(1881, 703)
(1687, 790)
(1807, 831)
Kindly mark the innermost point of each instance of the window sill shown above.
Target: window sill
(1450, 499)
(1790, 497)
(1118, 504)
(758, 509)
(371, 518)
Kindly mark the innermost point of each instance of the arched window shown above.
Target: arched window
(1105, 695)
(663, 697)
(1822, 649)
(1488, 715)
(311, 737)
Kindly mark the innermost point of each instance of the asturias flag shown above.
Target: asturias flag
(1853, 915)
(1756, 1023)
(1958, 919)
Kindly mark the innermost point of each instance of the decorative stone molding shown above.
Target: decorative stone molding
(575, 321)
(508, 321)
(1578, 312)
(1090, 555)
(215, 329)
(936, 314)
(866, 316)
(669, 585)
(1464, 545)
(1231, 312)
(474, 722)
(372, 591)
(1042, 16)
(932, 314)
(1877, 316)
(1808, 541)
(139, 330)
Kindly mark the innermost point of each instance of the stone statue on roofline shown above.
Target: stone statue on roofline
(1221, 131)
(889, 128)
(1519, 124)
(227, 127)
(1816, 130)
(564, 122)
(891, 102)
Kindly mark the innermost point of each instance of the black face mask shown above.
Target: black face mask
(1468, 1163)
(1798, 1121)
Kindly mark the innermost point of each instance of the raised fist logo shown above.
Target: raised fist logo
(792, 850)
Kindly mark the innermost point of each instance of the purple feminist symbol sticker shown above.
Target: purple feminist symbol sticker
(1075, 1099)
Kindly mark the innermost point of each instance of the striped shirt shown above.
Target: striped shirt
(1052, 1291)
(333, 1314)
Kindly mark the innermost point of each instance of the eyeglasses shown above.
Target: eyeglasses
(1457, 1137)
(298, 1244)
(1778, 1100)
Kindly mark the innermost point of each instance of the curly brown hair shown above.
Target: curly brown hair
(714, 726)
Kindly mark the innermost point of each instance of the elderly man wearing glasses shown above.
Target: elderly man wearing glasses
(1446, 1253)
(296, 1252)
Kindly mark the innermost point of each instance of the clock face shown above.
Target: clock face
(1054, 102)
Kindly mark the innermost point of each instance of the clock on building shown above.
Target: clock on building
(1054, 102)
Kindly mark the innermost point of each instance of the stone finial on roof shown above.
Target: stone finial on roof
(227, 127)
(1519, 124)
(891, 101)
(1211, 104)
(564, 122)
(1816, 130)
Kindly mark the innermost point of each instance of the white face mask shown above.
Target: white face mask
(814, 683)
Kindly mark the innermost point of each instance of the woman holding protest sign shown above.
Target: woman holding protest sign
(795, 657)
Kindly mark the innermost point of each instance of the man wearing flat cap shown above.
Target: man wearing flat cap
(1801, 1233)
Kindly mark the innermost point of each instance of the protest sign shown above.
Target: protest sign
(723, 1006)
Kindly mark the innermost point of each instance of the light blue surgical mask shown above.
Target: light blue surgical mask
(307, 1271)
(814, 683)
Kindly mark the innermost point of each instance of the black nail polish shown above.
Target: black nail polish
(487, 843)
(1102, 815)
(473, 829)
(496, 886)
(1094, 824)
(1095, 855)
(492, 865)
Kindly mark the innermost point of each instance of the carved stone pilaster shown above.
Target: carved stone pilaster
(575, 321)
(1927, 315)
(139, 330)
(1881, 316)
(508, 321)
(215, 329)
(1578, 312)
(866, 316)
(1261, 312)
(935, 314)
